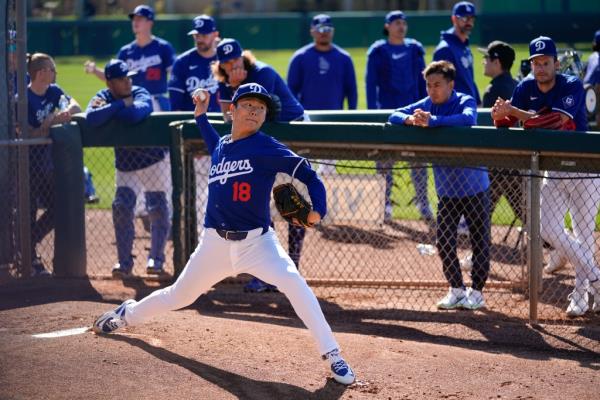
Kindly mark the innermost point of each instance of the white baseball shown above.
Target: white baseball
(200, 94)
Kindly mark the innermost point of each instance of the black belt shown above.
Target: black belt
(236, 235)
(232, 235)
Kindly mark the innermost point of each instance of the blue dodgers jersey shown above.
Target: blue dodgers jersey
(266, 76)
(241, 177)
(191, 71)
(38, 109)
(321, 80)
(394, 74)
(151, 63)
(567, 96)
(126, 158)
(458, 53)
(459, 110)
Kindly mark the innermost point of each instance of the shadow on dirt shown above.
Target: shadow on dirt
(238, 385)
(485, 330)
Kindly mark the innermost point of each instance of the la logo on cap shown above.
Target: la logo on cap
(227, 49)
(254, 88)
(123, 67)
(540, 45)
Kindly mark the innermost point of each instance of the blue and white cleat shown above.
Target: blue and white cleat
(112, 320)
(340, 369)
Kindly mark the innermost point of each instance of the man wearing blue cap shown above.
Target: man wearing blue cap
(235, 67)
(549, 91)
(150, 56)
(135, 167)
(394, 79)
(237, 237)
(191, 70)
(454, 47)
(321, 74)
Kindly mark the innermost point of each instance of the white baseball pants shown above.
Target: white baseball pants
(580, 197)
(216, 258)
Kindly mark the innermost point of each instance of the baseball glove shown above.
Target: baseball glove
(291, 205)
(549, 120)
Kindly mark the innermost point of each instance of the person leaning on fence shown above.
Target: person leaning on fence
(536, 95)
(147, 167)
(461, 191)
(47, 105)
(235, 67)
(498, 59)
(237, 237)
(394, 79)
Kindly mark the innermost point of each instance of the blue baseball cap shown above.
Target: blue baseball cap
(228, 49)
(541, 46)
(117, 69)
(322, 23)
(143, 11)
(257, 91)
(203, 25)
(597, 37)
(464, 9)
(394, 15)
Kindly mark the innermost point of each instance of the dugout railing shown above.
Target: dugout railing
(357, 258)
(360, 259)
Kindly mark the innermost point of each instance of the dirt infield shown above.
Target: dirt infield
(234, 345)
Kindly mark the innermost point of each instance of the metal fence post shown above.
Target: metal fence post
(534, 240)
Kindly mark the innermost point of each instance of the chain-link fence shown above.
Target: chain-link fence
(27, 216)
(406, 224)
(128, 216)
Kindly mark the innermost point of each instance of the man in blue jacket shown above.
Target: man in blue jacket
(321, 75)
(461, 191)
(454, 47)
(135, 167)
(394, 79)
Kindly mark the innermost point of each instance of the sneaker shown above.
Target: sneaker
(455, 298)
(340, 369)
(120, 272)
(112, 320)
(257, 286)
(555, 262)
(154, 267)
(578, 303)
(474, 299)
(37, 267)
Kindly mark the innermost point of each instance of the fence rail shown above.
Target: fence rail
(379, 247)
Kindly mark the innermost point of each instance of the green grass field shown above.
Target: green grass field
(72, 78)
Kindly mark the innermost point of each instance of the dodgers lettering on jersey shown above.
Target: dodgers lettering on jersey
(266, 76)
(393, 77)
(191, 71)
(452, 49)
(566, 96)
(241, 177)
(151, 63)
(126, 158)
(38, 109)
(321, 80)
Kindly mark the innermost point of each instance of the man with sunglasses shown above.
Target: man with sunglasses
(454, 47)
